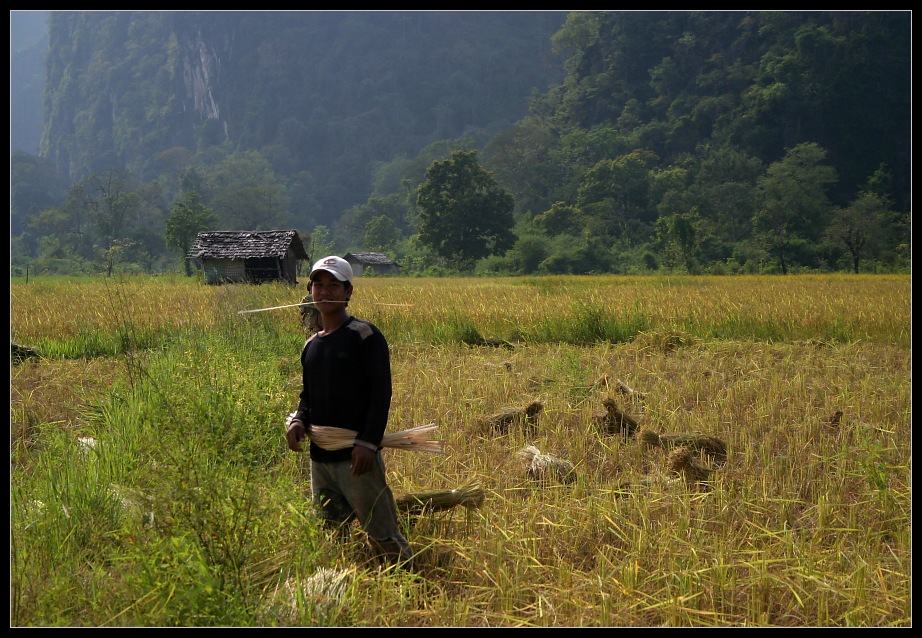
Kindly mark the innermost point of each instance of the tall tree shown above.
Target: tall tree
(67, 226)
(380, 233)
(614, 196)
(794, 206)
(723, 189)
(465, 215)
(519, 158)
(319, 243)
(868, 220)
(678, 237)
(188, 217)
(111, 200)
(246, 194)
(354, 222)
(560, 218)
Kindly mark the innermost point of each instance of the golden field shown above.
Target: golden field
(187, 509)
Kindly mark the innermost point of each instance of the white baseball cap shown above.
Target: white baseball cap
(336, 266)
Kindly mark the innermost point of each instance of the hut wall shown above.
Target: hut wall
(290, 268)
(378, 269)
(224, 270)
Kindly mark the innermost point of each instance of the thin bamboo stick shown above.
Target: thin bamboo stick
(314, 303)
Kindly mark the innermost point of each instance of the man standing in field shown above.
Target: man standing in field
(347, 384)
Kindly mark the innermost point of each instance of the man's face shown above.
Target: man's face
(328, 292)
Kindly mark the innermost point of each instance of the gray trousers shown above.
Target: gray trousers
(341, 497)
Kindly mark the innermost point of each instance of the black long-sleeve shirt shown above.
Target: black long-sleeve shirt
(347, 384)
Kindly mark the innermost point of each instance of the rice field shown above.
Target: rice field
(151, 485)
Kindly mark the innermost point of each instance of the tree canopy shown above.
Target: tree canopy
(465, 215)
(713, 141)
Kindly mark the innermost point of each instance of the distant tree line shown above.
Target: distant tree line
(697, 142)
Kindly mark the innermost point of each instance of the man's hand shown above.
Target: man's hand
(362, 460)
(295, 434)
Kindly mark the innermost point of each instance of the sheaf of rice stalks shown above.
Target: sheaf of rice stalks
(325, 589)
(546, 466)
(470, 496)
(416, 439)
(680, 461)
(613, 420)
(499, 423)
(709, 445)
(328, 582)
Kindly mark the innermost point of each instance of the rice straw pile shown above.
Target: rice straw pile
(543, 467)
(470, 496)
(681, 461)
(415, 439)
(710, 445)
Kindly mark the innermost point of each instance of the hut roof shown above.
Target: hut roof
(369, 259)
(244, 244)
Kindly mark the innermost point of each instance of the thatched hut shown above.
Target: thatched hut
(380, 263)
(255, 256)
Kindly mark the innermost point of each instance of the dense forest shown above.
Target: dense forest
(475, 142)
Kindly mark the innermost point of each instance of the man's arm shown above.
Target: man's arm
(377, 369)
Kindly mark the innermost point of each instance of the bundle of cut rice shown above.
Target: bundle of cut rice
(680, 461)
(19, 353)
(614, 421)
(414, 439)
(470, 496)
(325, 591)
(542, 467)
(500, 423)
(713, 447)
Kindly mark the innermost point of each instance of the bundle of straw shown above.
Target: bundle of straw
(712, 446)
(470, 496)
(680, 461)
(614, 421)
(543, 467)
(414, 439)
